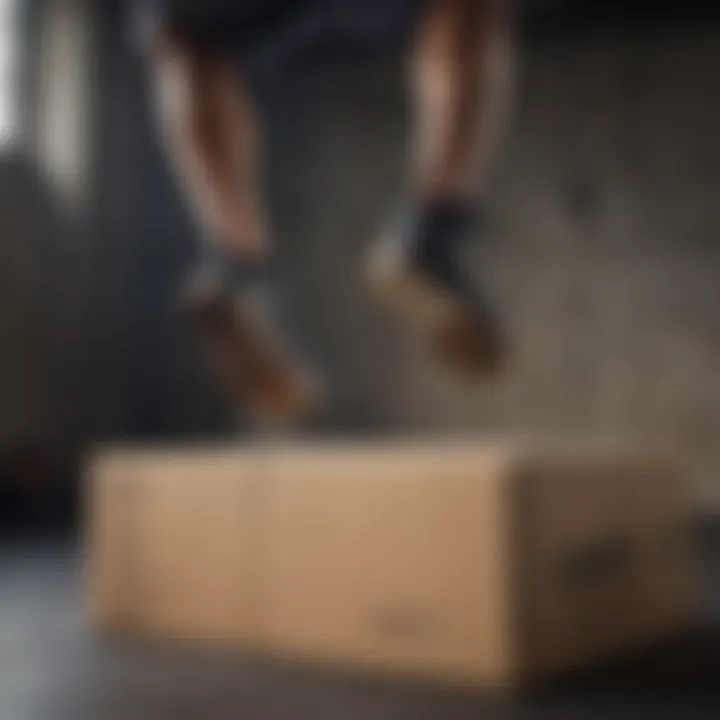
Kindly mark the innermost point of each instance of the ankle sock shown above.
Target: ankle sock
(232, 271)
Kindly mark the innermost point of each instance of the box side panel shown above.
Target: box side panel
(605, 563)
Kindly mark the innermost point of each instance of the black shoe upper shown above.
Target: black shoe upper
(438, 243)
(441, 236)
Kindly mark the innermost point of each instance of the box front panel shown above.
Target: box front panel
(198, 555)
(390, 558)
(111, 513)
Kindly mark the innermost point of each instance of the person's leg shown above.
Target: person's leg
(207, 124)
(458, 73)
(206, 118)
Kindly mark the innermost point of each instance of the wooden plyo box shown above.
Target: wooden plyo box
(469, 562)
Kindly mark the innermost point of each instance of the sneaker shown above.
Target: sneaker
(421, 269)
(248, 348)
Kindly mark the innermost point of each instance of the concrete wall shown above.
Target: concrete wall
(602, 247)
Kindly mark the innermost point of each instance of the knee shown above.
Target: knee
(179, 73)
(164, 45)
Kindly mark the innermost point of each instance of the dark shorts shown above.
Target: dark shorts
(213, 23)
(225, 25)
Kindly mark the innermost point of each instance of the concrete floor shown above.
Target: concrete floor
(52, 669)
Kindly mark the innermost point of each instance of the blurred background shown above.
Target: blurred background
(603, 242)
(603, 251)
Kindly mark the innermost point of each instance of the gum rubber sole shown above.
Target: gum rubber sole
(268, 383)
(469, 345)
